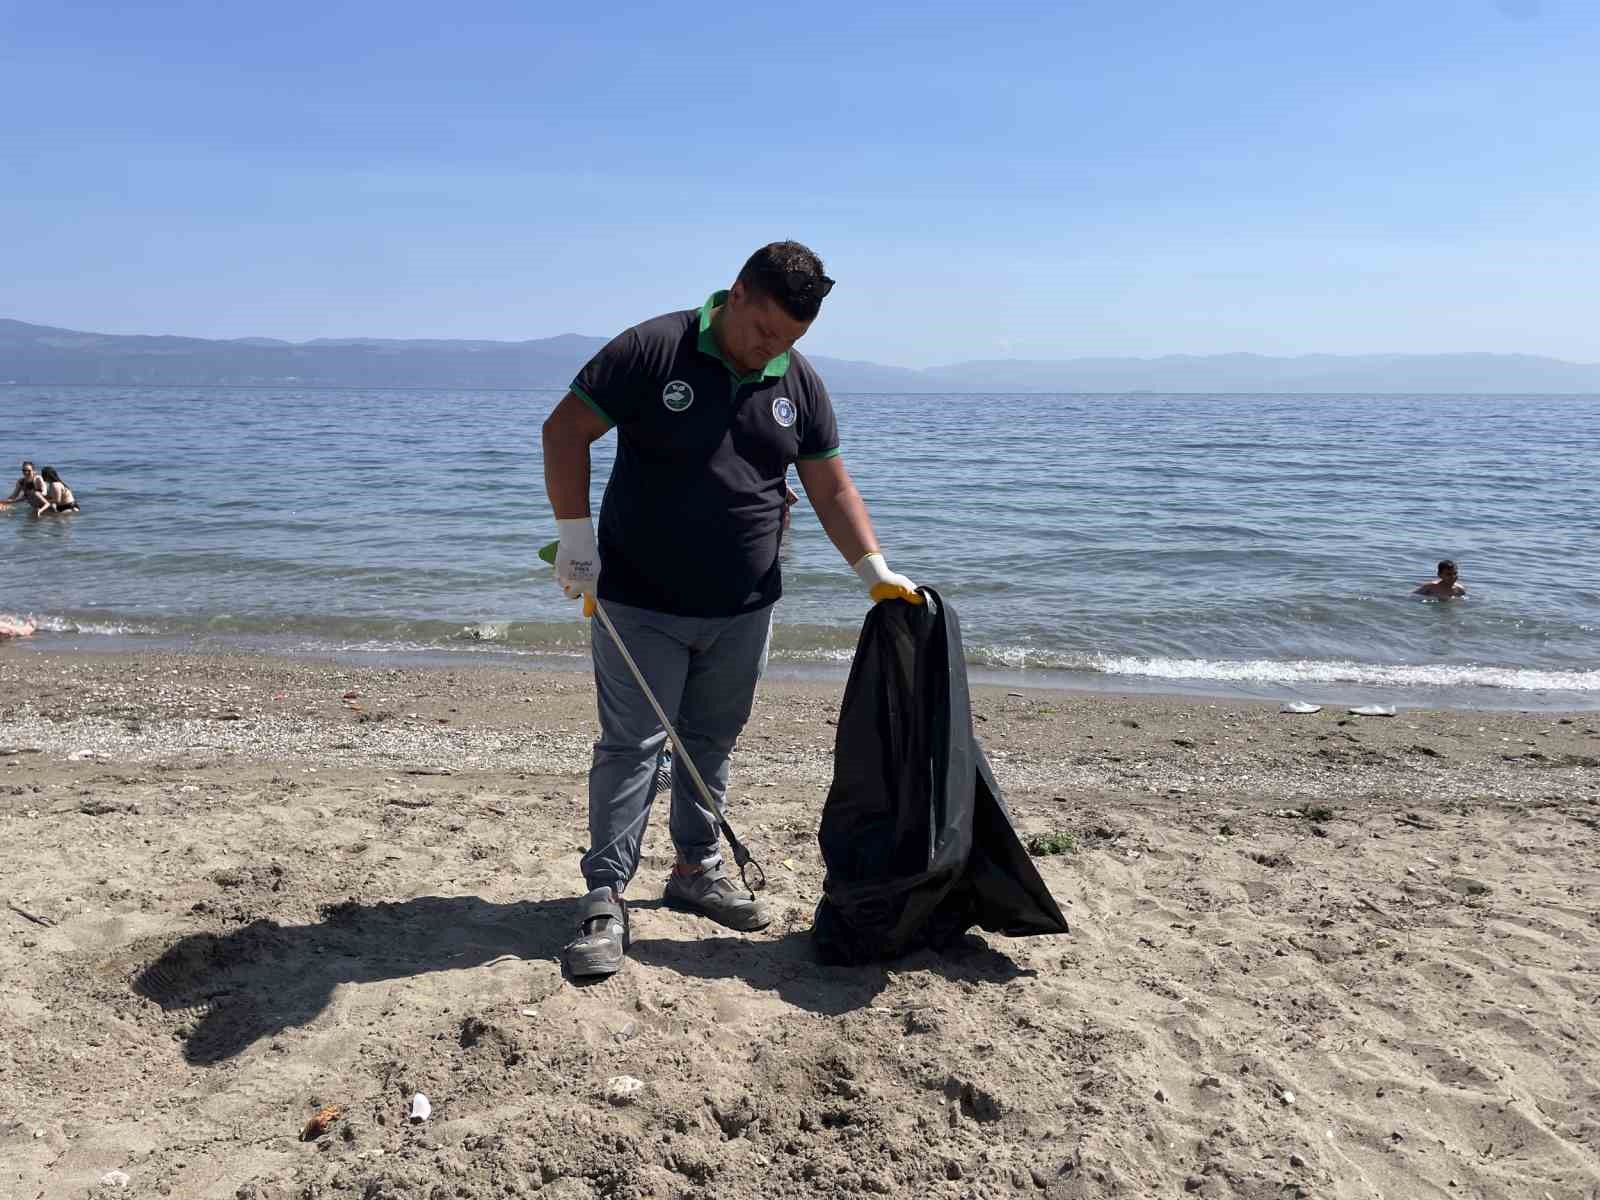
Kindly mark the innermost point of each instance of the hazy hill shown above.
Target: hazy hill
(39, 354)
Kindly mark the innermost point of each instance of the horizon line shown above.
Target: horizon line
(1135, 393)
(1144, 358)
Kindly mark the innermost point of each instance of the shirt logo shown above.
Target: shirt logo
(677, 396)
(784, 411)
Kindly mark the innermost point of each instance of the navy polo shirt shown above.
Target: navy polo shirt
(692, 515)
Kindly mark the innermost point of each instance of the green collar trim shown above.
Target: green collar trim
(707, 344)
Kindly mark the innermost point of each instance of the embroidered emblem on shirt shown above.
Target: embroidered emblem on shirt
(677, 396)
(784, 411)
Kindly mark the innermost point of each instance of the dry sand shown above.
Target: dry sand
(1317, 955)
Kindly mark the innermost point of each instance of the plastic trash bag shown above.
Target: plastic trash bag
(917, 842)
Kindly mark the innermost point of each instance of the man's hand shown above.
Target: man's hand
(578, 559)
(884, 584)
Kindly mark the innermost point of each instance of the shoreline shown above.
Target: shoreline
(487, 655)
(1317, 955)
(241, 689)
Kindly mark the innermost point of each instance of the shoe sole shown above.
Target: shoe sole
(594, 969)
(686, 906)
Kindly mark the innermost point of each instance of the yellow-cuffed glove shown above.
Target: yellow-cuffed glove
(884, 584)
(578, 560)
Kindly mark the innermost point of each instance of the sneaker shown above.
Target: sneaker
(712, 894)
(602, 940)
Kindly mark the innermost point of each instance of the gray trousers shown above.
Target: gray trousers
(703, 671)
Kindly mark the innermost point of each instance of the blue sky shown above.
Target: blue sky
(985, 181)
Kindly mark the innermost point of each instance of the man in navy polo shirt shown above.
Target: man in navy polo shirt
(711, 407)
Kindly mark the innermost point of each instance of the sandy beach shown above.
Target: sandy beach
(1311, 956)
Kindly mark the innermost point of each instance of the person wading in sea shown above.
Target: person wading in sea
(711, 407)
(1446, 586)
(28, 486)
(58, 497)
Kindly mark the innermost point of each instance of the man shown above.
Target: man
(26, 486)
(711, 407)
(1445, 587)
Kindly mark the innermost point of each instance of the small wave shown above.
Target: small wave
(110, 628)
(485, 631)
(1270, 671)
(464, 645)
(819, 645)
(819, 654)
(1024, 658)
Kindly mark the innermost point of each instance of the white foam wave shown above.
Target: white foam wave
(1269, 671)
(463, 645)
(100, 628)
(821, 654)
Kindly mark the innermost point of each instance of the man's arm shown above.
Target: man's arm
(568, 433)
(844, 516)
(839, 506)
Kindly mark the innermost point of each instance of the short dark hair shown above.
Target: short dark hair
(790, 274)
(1447, 565)
(27, 462)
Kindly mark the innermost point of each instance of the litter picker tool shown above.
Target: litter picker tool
(741, 856)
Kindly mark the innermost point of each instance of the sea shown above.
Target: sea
(1241, 546)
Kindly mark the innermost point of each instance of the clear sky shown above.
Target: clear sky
(984, 180)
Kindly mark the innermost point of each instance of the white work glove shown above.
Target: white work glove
(884, 584)
(578, 560)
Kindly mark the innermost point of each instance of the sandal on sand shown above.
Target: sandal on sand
(602, 936)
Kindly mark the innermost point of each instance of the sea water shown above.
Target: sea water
(1251, 545)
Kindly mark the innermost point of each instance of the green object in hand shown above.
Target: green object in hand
(548, 553)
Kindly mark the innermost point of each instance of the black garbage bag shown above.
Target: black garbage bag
(917, 843)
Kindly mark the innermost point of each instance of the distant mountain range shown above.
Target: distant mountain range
(38, 354)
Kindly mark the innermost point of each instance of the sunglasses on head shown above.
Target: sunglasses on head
(803, 283)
